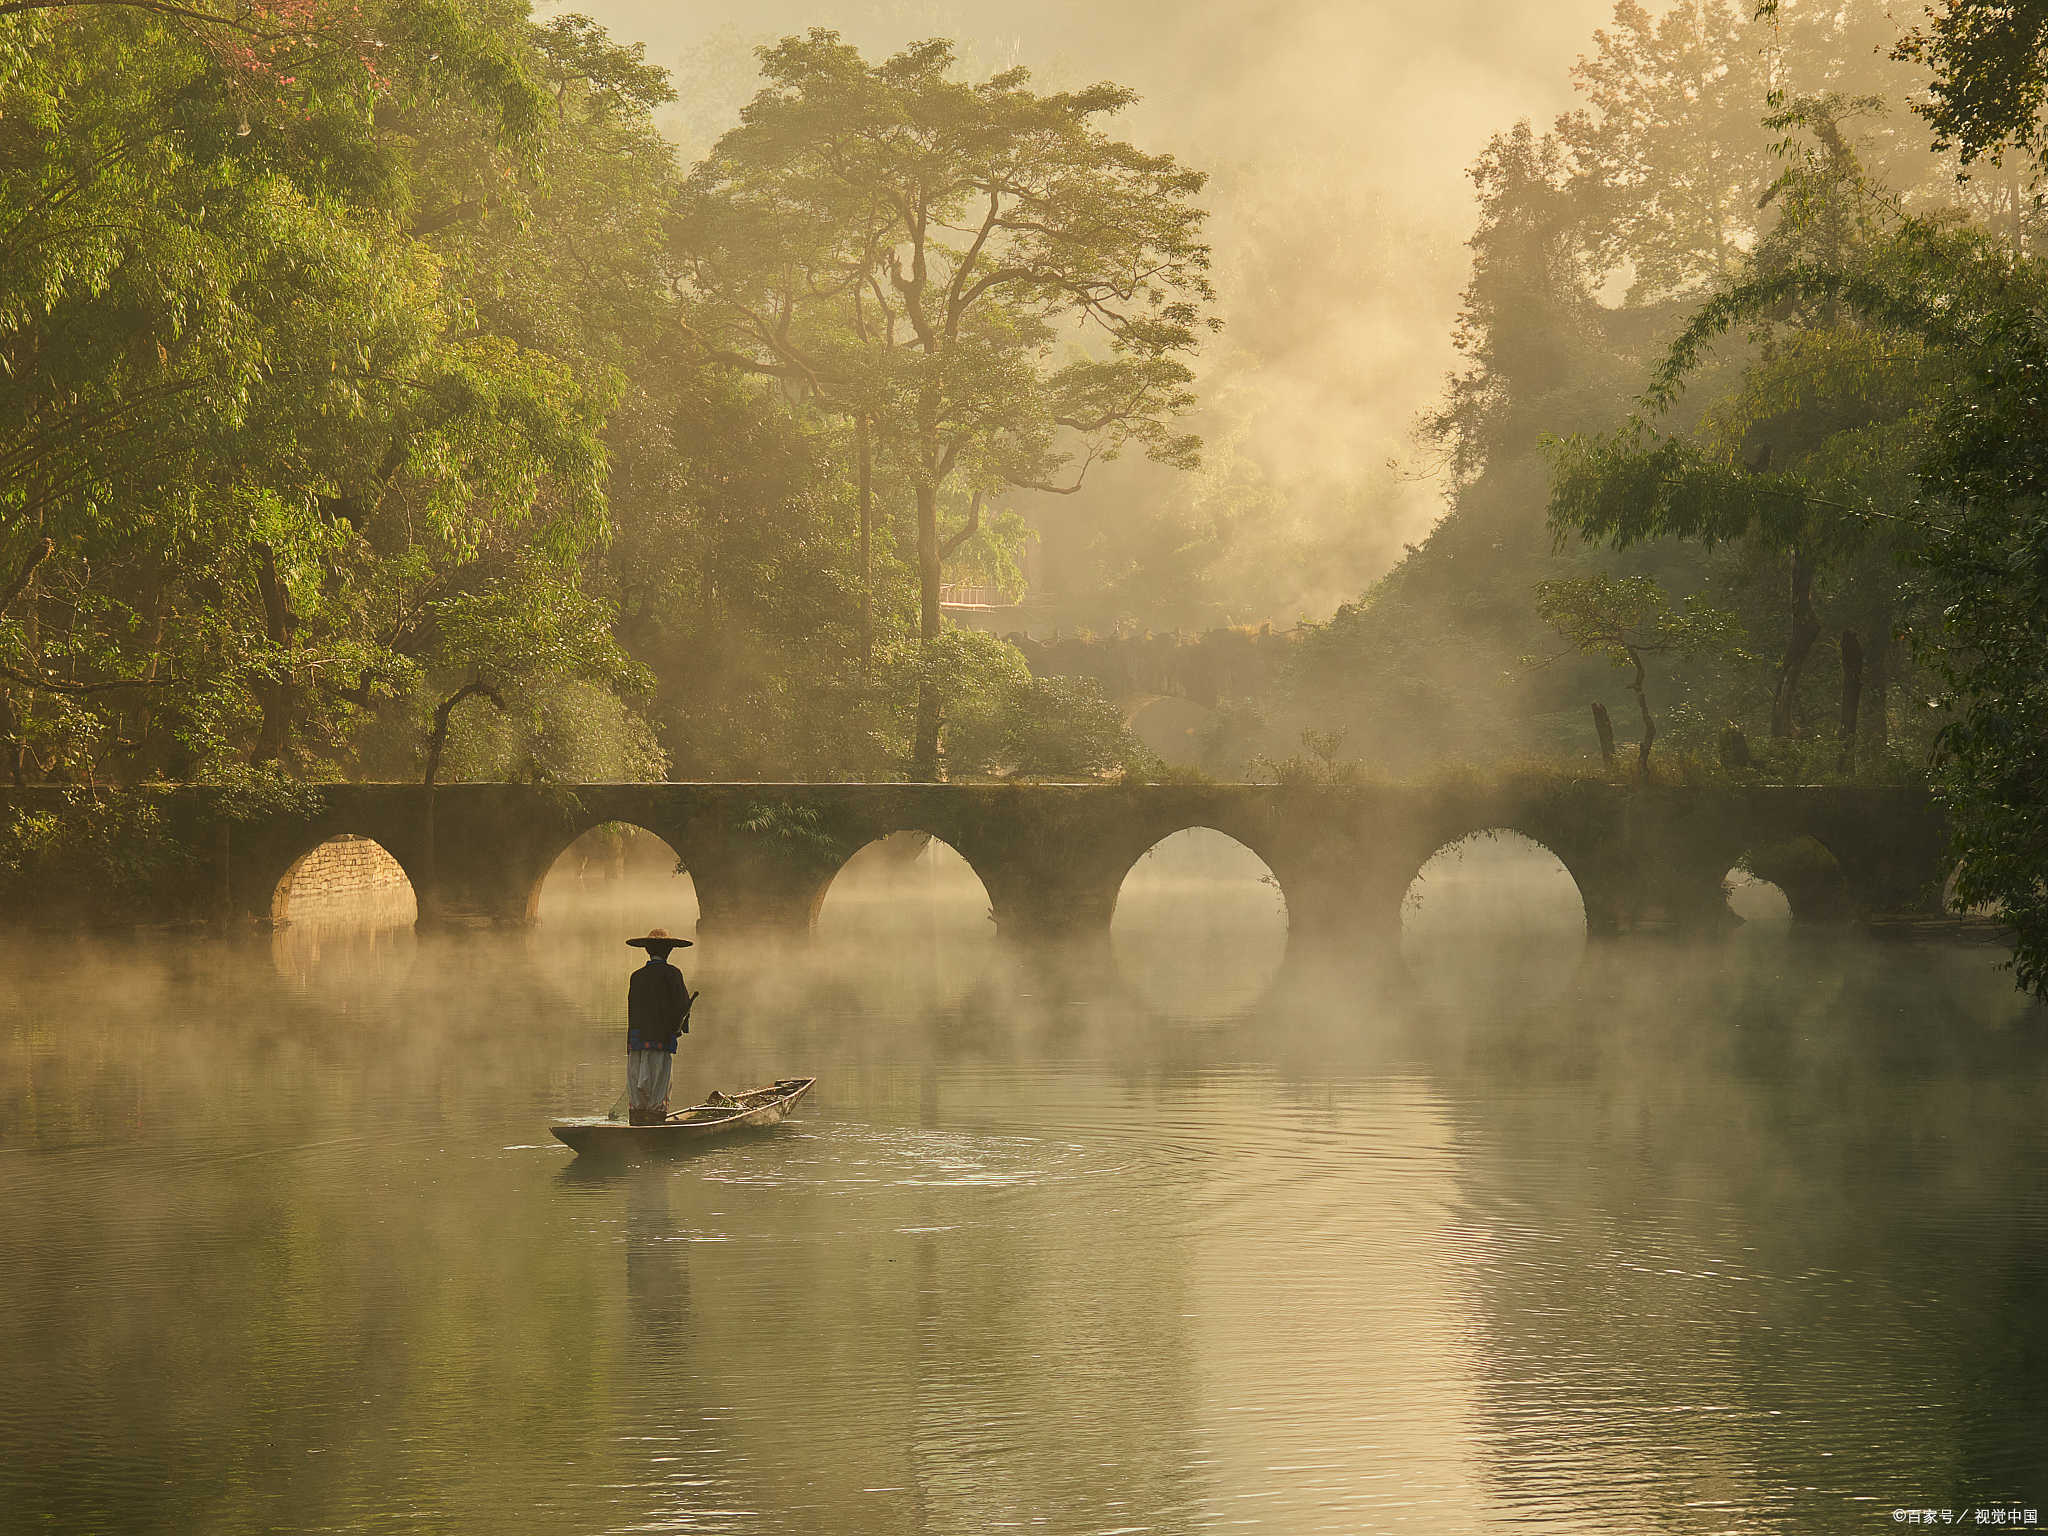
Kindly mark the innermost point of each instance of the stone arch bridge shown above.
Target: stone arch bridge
(1053, 856)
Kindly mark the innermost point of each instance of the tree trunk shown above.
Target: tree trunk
(1852, 696)
(1805, 631)
(26, 588)
(1649, 725)
(224, 874)
(10, 737)
(429, 898)
(277, 693)
(153, 606)
(924, 760)
(439, 739)
(1877, 681)
(1604, 728)
(867, 534)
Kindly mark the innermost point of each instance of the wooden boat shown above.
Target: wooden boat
(753, 1109)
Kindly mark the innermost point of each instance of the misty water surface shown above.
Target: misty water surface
(1748, 1236)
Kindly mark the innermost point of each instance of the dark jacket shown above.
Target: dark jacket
(657, 1007)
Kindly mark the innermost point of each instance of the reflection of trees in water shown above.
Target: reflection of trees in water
(1761, 1216)
(1007, 1273)
(309, 950)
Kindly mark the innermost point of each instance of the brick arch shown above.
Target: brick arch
(279, 909)
(1817, 900)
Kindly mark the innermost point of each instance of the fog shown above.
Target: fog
(1147, 1235)
(1337, 137)
(1499, 1223)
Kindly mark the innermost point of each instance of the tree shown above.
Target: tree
(1806, 461)
(970, 273)
(1665, 154)
(1981, 473)
(1990, 63)
(255, 394)
(1622, 621)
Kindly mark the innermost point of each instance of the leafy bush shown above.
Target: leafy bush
(105, 856)
(999, 719)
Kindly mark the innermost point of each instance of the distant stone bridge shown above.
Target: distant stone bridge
(1053, 856)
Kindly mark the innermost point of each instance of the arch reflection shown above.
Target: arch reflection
(1494, 914)
(1201, 925)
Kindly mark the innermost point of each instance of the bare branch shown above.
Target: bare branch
(967, 530)
(60, 685)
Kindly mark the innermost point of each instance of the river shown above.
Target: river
(1741, 1236)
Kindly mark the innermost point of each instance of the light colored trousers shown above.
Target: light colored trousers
(647, 1074)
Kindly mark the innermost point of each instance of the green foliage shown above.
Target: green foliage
(1625, 619)
(1047, 728)
(1990, 63)
(292, 435)
(1317, 767)
(1229, 740)
(1988, 565)
(1981, 539)
(977, 274)
(103, 857)
(796, 829)
(1713, 149)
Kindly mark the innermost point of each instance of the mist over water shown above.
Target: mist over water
(1746, 1236)
(1493, 915)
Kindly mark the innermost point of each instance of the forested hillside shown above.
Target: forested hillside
(1712, 148)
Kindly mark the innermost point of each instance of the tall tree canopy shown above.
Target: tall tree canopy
(262, 455)
(995, 291)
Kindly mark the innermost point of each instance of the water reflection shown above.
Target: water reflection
(1200, 927)
(1747, 1237)
(1491, 918)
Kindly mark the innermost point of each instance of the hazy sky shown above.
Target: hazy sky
(1413, 91)
(1338, 135)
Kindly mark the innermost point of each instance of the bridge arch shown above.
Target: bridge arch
(931, 867)
(345, 869)
(1158, 836)
(1495, 852)
(619, 864)
(1803, 870)
(1491, 905)
(1201, 923)
(1188, 859)
(1052, 857)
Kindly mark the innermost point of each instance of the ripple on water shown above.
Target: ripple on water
(1591, 1265)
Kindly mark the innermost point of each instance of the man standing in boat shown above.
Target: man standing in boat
(657, 1013)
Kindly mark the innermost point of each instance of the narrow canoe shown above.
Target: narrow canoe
(685, 1127)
